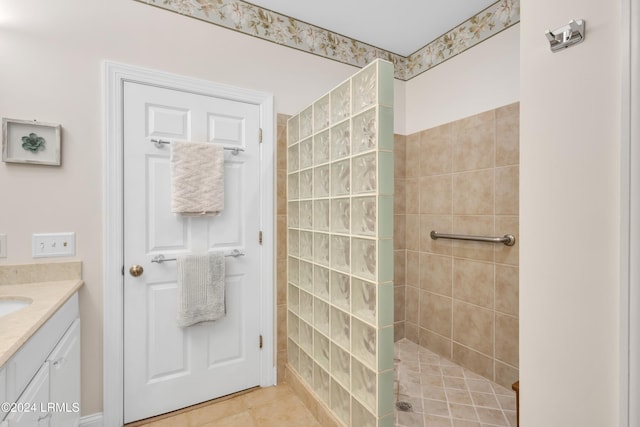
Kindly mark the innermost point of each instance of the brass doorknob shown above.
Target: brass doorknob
(136, 270)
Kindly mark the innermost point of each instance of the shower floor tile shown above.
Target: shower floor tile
(438, 392)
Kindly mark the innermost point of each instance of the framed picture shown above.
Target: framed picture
(32, 142)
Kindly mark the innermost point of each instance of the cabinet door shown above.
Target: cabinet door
(31, 408)
(3, 390)
(64, 371)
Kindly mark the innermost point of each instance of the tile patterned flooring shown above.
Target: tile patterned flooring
(263, 407)
(440, 392)
(443, 394)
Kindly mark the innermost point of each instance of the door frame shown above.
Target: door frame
(115, 75)
(630, 216)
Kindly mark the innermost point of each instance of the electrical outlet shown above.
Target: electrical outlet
(3, 245)
(53, 245)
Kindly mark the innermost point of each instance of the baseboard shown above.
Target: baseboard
(94, 420)
(320, 411)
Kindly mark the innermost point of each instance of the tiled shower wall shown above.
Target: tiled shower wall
(281, 245)
(399, 236)
(340, 250)
(460, 299)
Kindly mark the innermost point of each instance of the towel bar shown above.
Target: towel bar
(158, 143)
(160, 258)
(507, 239)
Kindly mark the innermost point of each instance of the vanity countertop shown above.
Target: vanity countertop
(17, 327)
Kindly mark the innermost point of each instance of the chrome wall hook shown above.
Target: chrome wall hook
(566, 36)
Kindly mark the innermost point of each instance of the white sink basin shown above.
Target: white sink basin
(11, 304)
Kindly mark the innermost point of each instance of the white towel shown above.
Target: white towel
(197, 178)
(200, 288)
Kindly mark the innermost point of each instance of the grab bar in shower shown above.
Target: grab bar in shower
(507, 239)
(160, 258)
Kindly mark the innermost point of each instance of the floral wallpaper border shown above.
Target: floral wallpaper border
(275, 27)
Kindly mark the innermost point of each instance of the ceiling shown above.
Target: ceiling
(398, 26)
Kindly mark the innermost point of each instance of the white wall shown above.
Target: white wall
(51, 60)
(569, 207)
(482, 78)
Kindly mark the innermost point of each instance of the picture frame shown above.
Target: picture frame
(30, 142)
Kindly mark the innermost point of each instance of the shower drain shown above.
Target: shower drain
(404, 406)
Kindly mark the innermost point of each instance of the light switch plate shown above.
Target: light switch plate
(53, 245)
(3, 245)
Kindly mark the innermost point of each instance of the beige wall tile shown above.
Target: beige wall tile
(436, 273)
(473, 327)
(281, 363)
(507, 289)
(413, 269)
(436, 343)
(413, 156)
(412, 332)
(474, 147)
(507, 336)
(508, 254)
(435, 313)
(412, 195)
(281, 242)
(507, 190)
(476, 362)
(281, 281)
(398, 331)
(473, 193)
(399, 232)
(435, 194)
(281, 119)
(282, 327)
(281, 193)
(473, 282)
(441, 224)
(399, 303)
(436, 156)
(399, 267)
(508, 136)
(505, 375)
(400, 196)
(508, 110)
(476, 120)
(462, 178)
(412, 313)
(477, 226)
(412, 238)
(281, 146)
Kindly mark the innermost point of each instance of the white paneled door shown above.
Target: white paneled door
(167, 367)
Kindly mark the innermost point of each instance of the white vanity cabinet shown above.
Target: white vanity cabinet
(31, 409)
(42, 379)
(3, 388)
(64, 379)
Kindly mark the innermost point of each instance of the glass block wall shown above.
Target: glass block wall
(340, 247)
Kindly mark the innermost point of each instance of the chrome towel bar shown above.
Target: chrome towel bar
(507, 239)
(159, 143)
(160, 258)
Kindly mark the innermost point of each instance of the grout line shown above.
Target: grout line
(404, 345)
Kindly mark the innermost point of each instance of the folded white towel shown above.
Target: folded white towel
(200, 288)
(197, 178)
